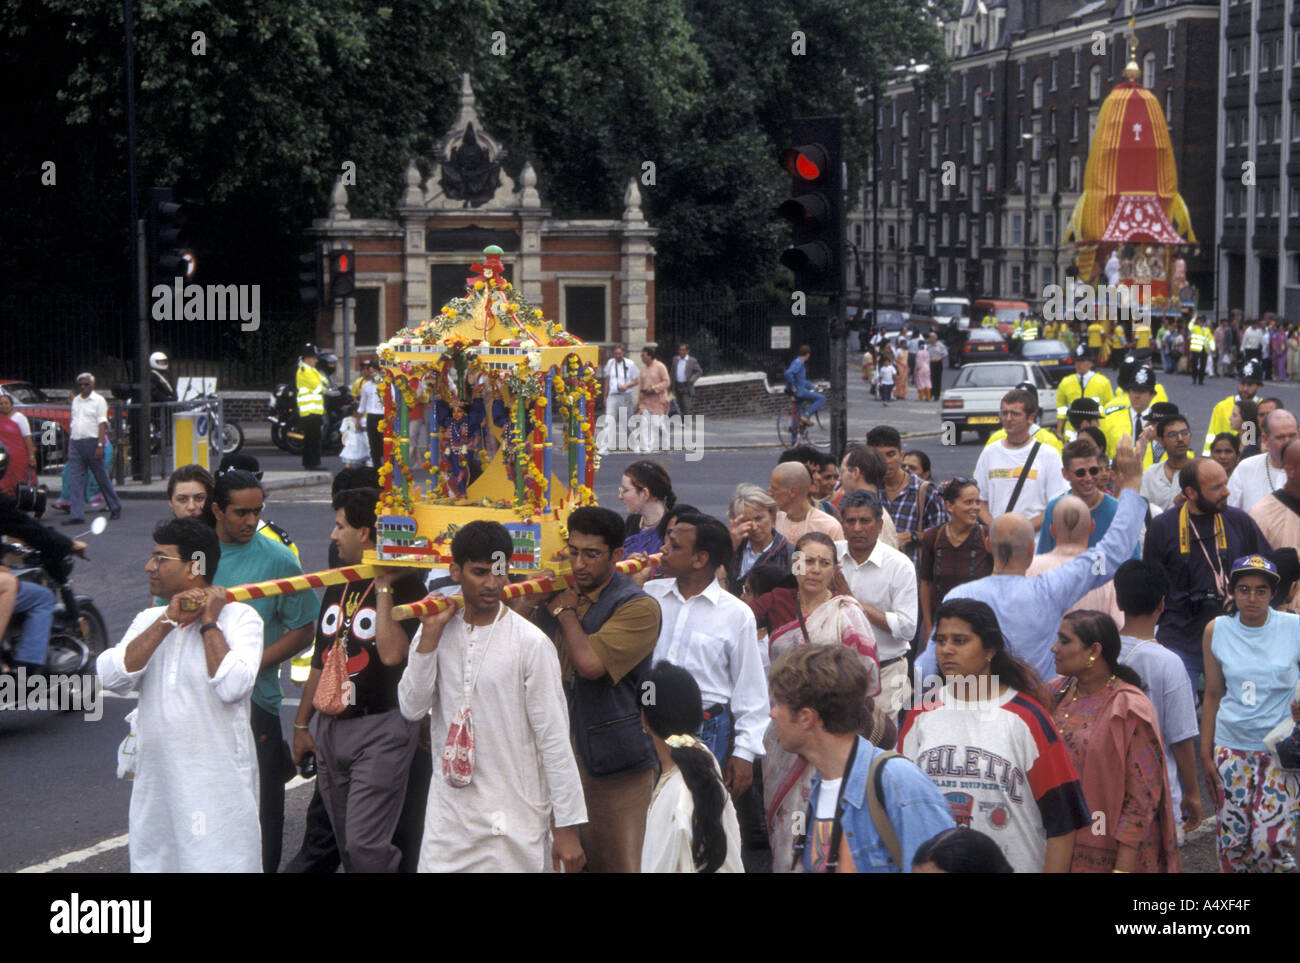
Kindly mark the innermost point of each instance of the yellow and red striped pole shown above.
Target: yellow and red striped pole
(533, 586)
(300, 583)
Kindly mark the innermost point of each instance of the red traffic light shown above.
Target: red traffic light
(806, 162)
(342, 261)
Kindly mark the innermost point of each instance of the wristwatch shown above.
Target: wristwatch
(208, 625)
(555, 613)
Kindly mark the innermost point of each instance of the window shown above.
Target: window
(1021, 129)
(1015, 279)
(1230, 201)
(1074, 123)
(992, 85)
(1244, 134)
(1036, 145)
(963, 135)
(893, 113)
(1048, 275)
(977, 152)
(1295, 118)
(1260, 209)
(905, 127)
(988, 134)
(891, 237)
(1171, 44)
(1169, 107)
(1052, 71)
(947, 95)
(891, 279)
(1277, 53)
(988, 228)
(1094, 82)
(1049, 229)
(1020, 175)
(990, 179)
(934, 111)
(946, 140)
(943, 273)
(585, 311)
(920, 188)
(857, 234)
(961, 228)
(893, 160)
(1265, 49)
(963, 88)
(1230, 131)
(1020, 75)
(934, 151)
(1261, 126)
(1051, 175)
(977, 109)
(1149, 71)
(1234, 60)
(1037, 93)
(1092, 125)
(893, 193)
(943, 226)
(1293, 205)
(1277, 127)
(1051, 121)
(1078, 63)
(1272, 201)
(1074, 173)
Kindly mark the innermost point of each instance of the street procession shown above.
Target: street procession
(388, 480)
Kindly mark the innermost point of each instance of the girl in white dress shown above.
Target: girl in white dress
(692, 825)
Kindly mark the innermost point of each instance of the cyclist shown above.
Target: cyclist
(797, 384)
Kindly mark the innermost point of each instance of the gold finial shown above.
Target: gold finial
(1131, 70)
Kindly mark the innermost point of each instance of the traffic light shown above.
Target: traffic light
(311, 277)
(168, 257)
(343, 275)
(815, 206)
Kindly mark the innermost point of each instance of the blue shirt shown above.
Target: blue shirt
(1259, 677)
(1102, 515)
(259, 560)
(796, 376)
(916, 809)
(1029, 609)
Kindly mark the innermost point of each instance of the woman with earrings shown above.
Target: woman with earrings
(1113, 736)
(692, 825)
(1250, 682)
(989, 745)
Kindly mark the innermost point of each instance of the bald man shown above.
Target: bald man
(1278, 514)
(1261, 475)
(795, 516)
(1072, 527)
(1029, 609)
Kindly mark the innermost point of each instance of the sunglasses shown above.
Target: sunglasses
(1094, 471)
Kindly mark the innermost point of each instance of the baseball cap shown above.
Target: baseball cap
(1254, 565)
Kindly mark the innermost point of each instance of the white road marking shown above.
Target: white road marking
(108, 845)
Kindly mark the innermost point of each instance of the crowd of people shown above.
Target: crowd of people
(861, 669)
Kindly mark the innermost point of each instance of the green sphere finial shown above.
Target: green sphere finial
(493, 249)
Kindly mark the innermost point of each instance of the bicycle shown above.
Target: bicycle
(790, 429)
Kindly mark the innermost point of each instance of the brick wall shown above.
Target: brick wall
(735, 396)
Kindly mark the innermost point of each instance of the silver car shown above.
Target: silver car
(975, 398)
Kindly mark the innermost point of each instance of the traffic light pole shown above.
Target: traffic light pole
(839, 378)
(143, 419)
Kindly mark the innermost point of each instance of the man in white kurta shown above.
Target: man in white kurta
(524, 769)
(194, 798)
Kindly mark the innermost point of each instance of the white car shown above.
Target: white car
(975, 398)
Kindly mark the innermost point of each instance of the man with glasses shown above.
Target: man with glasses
(194, 795)
(1083, 471)
(605, 629)
(1160, 481)
(289, 623)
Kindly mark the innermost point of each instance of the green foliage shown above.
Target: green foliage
(253, 133)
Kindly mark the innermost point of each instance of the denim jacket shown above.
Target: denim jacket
(916, 809)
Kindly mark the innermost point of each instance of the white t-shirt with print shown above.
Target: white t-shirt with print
(999, 467)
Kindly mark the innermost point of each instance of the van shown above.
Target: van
(1007, 313)
(934, 310)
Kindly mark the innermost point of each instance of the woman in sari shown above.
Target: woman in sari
(900, 362)
(1113, 735)
(822, 618)
(1277, 345)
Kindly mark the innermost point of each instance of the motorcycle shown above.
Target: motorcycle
(78, 633)
(285, 430)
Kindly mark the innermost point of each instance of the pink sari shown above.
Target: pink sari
(787, 779)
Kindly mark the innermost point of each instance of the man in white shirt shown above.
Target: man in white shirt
(712, 635)
(1001, 464)
(371, 406)
(1160, 481)
(621, 376)
(492, 812)
(194, 794)
(795, 517)
(89, 431)
(884, 581)
(1261, 475)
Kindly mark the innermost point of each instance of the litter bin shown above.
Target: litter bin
(190, 444)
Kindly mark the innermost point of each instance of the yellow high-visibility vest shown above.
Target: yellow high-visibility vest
(311, 390)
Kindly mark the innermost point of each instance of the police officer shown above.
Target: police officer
(1200, 342)
(311, 406)
(1248, 384)
(1084, 383)
(1082, 413)
(1131, 417)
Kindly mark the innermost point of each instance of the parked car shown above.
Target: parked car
(889, 322)
(1052, 356)
(979, 344)
(974, 401)
(40, 409)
